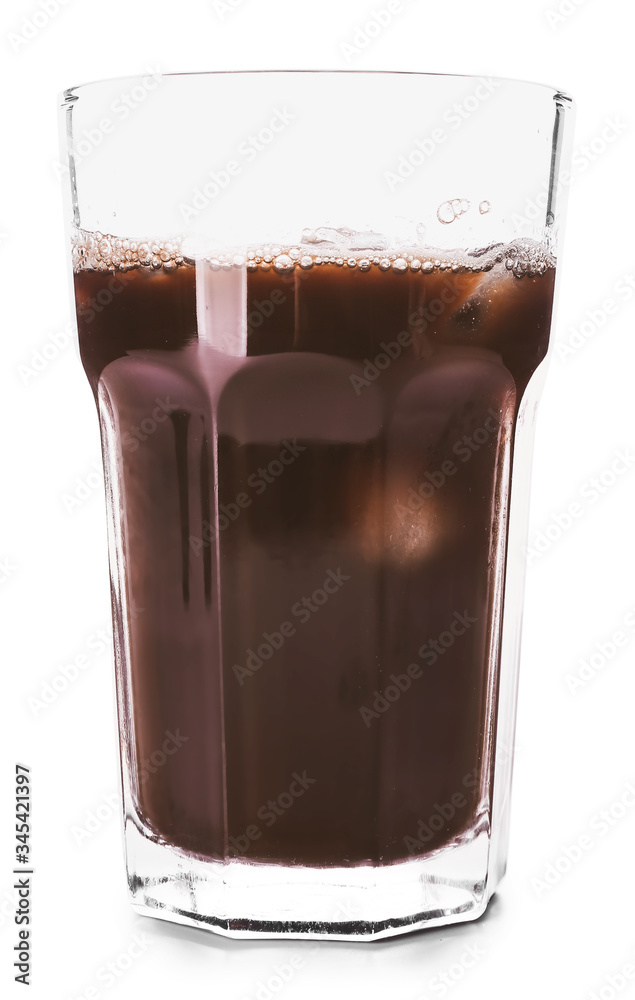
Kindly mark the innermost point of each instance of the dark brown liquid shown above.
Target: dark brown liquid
(263, 468)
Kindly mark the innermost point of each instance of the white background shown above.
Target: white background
(574, 753)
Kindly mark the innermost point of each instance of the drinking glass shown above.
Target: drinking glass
(314, 310)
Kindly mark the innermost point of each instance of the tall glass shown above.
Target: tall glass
(314, 309)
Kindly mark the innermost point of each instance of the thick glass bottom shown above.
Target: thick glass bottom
(240, 899)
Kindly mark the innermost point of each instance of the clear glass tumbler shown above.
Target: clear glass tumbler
(314, 309)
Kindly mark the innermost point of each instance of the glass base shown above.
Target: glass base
(241, 899)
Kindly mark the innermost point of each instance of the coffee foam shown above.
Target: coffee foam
(103, 252)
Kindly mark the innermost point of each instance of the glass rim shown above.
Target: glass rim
(71, 93)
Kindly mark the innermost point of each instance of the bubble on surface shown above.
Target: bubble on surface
(526, 257)
(101, 252)
(283, 263)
